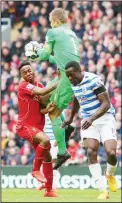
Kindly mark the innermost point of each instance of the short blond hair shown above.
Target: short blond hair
(60, 14)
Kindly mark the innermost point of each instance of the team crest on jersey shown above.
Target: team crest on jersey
(84, 89)
(30, 86)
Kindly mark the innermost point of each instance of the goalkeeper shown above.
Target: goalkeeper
(64, 44)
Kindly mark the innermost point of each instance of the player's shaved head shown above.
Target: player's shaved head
(60, 14)
(73, 64)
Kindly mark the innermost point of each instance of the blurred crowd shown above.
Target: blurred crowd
(98, 26)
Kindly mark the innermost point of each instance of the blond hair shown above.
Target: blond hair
(60, 14)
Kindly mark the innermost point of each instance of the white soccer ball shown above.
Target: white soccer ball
(32, 46)
(29, 47)
(30, 50)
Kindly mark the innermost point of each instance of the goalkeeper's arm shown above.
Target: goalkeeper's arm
(45, 52)
(34, 50)
(52, 59)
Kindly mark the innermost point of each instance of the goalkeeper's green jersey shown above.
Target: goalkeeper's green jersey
(64, 44)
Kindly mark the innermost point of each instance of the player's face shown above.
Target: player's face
(74, 76)
(27, 73)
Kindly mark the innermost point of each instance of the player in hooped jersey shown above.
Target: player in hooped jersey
(31, 122)
(63, 42)
(98, 123)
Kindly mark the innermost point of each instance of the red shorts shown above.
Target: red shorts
(28, 132)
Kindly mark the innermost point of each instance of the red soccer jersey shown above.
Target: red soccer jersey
(29, 106)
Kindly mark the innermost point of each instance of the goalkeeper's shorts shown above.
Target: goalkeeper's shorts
(62, 95)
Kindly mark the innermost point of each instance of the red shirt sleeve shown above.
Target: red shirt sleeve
(27, 88)
(40, 85)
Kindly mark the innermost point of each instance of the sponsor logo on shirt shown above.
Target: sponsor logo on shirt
(82, 99)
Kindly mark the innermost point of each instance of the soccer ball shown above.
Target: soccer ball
(31, 50)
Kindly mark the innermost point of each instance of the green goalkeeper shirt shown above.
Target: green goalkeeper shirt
(63, 43)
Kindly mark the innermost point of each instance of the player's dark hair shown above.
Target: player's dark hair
(74, 65)
(24, 63)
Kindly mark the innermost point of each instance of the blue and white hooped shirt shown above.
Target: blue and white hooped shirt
(84, 92)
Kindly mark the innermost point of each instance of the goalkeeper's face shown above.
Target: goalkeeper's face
(27, 73)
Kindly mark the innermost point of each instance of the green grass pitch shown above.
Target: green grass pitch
(65, 195)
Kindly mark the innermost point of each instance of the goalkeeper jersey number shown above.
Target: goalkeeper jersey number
(65, 45)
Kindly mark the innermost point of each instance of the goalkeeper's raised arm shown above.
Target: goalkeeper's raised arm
(60, 41)
(35, 51)
(45, 52)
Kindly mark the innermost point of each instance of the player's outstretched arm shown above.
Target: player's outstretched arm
(36, 51)
(45, 98)
(44, 90)
(45, 52)
(75, 108)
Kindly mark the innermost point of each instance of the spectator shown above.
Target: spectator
(13, 156)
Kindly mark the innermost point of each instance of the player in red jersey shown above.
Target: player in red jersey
(31, 122)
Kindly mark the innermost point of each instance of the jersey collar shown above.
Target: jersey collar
(64, 25)
(82, 79)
